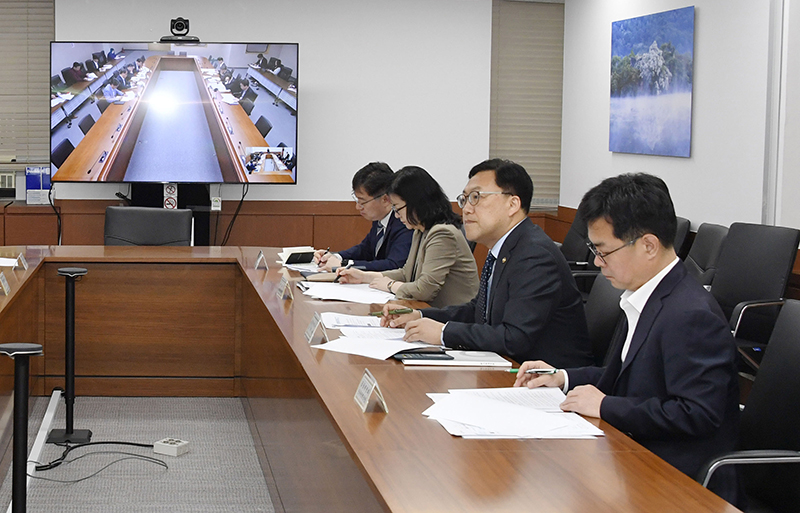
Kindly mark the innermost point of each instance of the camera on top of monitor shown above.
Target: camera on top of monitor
(180, 30)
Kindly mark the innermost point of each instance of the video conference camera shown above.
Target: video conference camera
(180, 30)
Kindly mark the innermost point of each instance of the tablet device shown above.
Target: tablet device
(305, 257)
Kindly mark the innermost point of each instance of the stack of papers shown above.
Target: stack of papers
(380, 349)
(355, 293)
(508, 413)
(334, 320)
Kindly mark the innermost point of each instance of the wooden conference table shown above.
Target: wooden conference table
(203, 321)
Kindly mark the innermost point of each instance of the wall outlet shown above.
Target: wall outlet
(216, 203)
(171, 447)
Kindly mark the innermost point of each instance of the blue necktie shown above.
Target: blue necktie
(381, 233)
(483, 291)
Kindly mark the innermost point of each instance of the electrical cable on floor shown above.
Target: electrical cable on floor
(128, 456)
(69, 448)
(58, 214)
(245, 190)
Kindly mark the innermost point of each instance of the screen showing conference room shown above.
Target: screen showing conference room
(173, 113)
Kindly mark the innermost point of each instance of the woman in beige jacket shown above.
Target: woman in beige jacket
(440, 269)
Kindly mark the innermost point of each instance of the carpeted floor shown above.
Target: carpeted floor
(221, 472)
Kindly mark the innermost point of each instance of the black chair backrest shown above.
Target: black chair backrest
(680, 236)
(602, 315)
(701, 262)
(754, 263)
(574, 246)
(56, 82)
(101, 57)
(145, 226)
(102, 104)
(247, 104)
(264, 126)
(285, 73)
(250, 94)
(771, 418)
(61, 152)
(67, 77)
(86, 123)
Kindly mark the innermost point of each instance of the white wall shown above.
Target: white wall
(788, 211)
(406, 82)
(722, 181)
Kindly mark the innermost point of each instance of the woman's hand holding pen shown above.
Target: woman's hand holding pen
(347, 274)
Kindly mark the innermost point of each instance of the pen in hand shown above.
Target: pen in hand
(398, 311)
(349, 264)
(535, 371)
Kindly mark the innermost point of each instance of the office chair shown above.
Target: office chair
(61, 152)
(578, 256)
(251, 95)
(701, 262)
(102, 104)
(264, 126)
(285, 73)
(56, 83)
(681, 236)
(753, 271)
(67, 79)
(602, 316)
(145, 226)
(247, 105)
(90, 66)
(769, 440)
(86, 123)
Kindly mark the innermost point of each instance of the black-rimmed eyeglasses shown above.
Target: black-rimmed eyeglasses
(602, 256)
(474, 197)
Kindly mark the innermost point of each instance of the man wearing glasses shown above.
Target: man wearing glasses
(387, 244)
(670, 381)
(527, 302)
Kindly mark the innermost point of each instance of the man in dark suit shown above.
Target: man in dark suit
(387, 244)
(670, 382)
(528, 305)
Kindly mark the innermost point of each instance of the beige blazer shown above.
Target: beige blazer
(440, 268)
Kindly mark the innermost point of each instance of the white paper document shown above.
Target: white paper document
(505, 414)
(334, 320)
(355, 293)
(8, 262)
(373, 333)
(371, 348)
(544, 399)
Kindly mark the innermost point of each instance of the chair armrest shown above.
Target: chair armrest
(587, 273)
(744, 306)
(751, 457)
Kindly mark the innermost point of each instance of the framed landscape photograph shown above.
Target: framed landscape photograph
(651, 84)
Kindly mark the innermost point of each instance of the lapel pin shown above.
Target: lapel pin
(503, 261)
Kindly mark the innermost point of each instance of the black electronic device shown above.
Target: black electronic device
(305, 257)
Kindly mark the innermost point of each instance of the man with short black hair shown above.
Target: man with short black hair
(528, 305)
(387, 244)
(74, 74)
(670, 381)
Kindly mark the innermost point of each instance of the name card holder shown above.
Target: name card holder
(315, 323)
(261, 258)
(21, 262)
(284, 290)
(365, 390)
(4, 284)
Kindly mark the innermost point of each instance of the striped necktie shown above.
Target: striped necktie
(483, 291)
(381, 233)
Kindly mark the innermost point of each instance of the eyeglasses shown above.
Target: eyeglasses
(397, 210)
(362, 203)
(602, 256)
(475, 196)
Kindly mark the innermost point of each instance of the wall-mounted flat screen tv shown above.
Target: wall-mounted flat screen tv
(173, 113)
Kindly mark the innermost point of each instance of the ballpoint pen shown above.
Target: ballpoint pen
(349, 264)
(398, 311)
(535, 371)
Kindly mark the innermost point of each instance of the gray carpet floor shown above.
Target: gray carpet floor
(221, 471)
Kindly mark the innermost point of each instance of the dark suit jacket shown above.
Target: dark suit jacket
(677, 391)
(535, 312)
(393, 252)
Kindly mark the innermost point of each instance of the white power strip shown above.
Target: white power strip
(171, 447)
